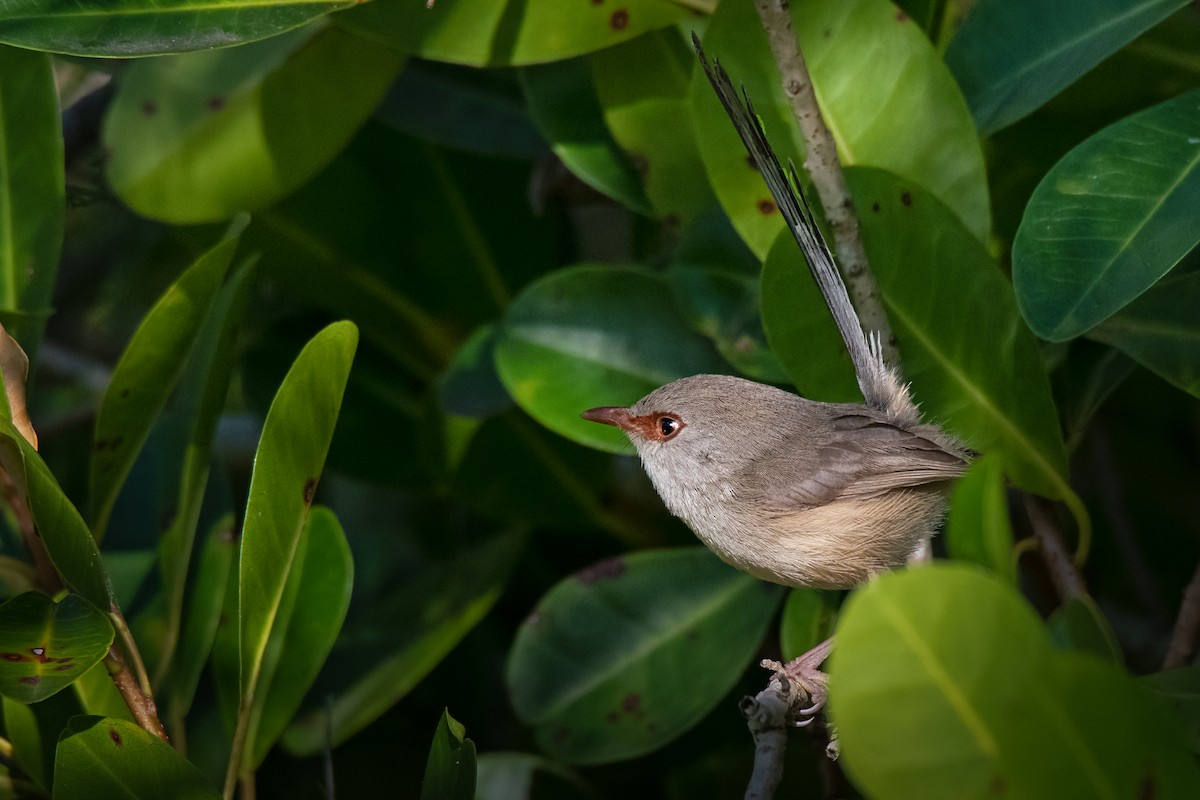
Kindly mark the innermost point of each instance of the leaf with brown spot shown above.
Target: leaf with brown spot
(63, 640)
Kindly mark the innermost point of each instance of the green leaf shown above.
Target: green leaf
(450, 770)
(287, 466)
(1160, 330)
(32, 207)
(470, 386)
(200, 137)
(1179, 690)
(508, 32)
(510, 776)
(111, 758)
(642, 87)
(808, 617)
(427, 618)
(1006, 73)
(917, 126)
(44, 645)
(34, 730)
(943, 684)
(310, 616)
(590, 336)
(203, 615)
(148, 27)
(595, 668)
(148, 371)
(978, 528)
(1078, 624)
(1110, 219)
(562, 102)
(974, 366)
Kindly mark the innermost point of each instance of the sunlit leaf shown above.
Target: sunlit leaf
(1110, 219)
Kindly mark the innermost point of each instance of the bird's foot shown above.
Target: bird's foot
(808, 681)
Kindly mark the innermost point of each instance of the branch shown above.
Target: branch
(1182, 650)
(767, 715)
(1063, 572)
(825, 167)
(145, 713)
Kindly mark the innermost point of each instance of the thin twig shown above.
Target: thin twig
(1182, 650)
(825, 168)
(141, 705)
(1063, 572)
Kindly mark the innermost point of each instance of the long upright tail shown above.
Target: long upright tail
(880, 385)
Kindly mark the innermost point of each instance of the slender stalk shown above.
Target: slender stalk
(145, 713)
(1063, 572)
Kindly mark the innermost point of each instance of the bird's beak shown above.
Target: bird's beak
(610, 415)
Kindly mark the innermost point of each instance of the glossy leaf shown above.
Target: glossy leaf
(594, 669)
(508, 32)
(808, 617)
(32, 205)
(424, 621)
(944, 684)
(642, 87)
(44, 645)
(287, 466)
(1006, 73)
(199, 626)
(1110, 219)
(310, 616)
(147, 373)
(562, 102)
(101, 757)
(591, 336)
(450, 770)
(974, 366)
(1160, 331)
(148, 27)
(200, 137)
(886, 96)
(978, 528)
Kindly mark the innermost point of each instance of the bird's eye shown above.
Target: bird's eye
(668, 426)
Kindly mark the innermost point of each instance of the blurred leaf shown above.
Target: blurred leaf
(491, 33)
(974, 367)
(44, 645)
(450, 770)
(33, 731)
(461, 107)
(287, 466)
(588, 336)
(562, 102)
(595, 667)
(310, 616)
(148, 371)
(427, 617)
(1005, 72)
(99, 757)
(146, 27)
(1160, 331)
(943, 684)
(1086, 380)
(978, 528)
(207, 596)
(470, 386)
(200, 137)
(1110, 219)
(642, 87)
(917, 126)
(32, 204)
(808, 617)
(1079, 625)
(1179, 689)
(510, 776)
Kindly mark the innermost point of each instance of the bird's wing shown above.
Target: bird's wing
(864, 457)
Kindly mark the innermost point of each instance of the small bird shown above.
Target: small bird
(790, 490)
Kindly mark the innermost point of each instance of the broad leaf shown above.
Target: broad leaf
(200, 137)
(508, 32)
(148, 27)
(291, 454)
(978, 528)
(1110, 219)
(450, 770)
(1011, 56)
(44, 645)
(34, 729)
(591, 336)
(943, 684)
(101, 757)
(148, 371)
(917, 126)
(595, 668)
(31, 192)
